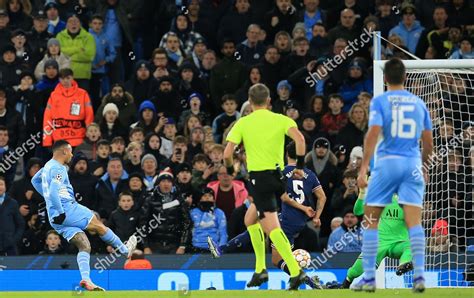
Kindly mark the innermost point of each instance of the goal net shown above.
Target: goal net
(447, 87)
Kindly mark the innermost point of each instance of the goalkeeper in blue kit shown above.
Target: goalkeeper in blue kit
(68, 217)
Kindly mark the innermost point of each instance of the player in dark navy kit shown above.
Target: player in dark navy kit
(296, 210)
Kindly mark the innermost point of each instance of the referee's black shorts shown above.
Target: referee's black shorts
(265, 188)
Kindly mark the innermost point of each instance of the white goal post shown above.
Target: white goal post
(447, 87)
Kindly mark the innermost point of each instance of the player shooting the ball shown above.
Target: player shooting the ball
(70, 218)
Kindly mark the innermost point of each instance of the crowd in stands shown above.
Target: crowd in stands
(146, 92)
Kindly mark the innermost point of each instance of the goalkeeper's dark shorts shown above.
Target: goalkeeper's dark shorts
(265, 187)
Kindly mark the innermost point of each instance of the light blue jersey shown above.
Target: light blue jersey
(52, 182)
(403, 116)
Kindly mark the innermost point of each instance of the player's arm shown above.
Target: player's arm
(229, 157)
(57, 179)
(234, 138)
(321, 201)
(369, 147)
(427, 145)
(36, 181)
(285, 198)
(298, 138)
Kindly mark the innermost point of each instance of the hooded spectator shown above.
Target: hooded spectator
(183, 28)
(147, 117)
(10, 66)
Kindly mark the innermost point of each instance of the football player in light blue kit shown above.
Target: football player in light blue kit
(68, 217)
(401, 118)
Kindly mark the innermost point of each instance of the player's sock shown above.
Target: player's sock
(282, 265)
(83, 259)
(258, 243)
(283, 247)
(114, 240)
(355, 271)
(417, 240)
(240, 240)
(369, 252)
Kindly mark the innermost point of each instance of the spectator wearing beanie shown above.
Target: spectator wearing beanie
(142, 85)
(350, 228)
(53, 52)
(23, 191)
(147, 117)
(195, 104)
(110, 126)
(137, 188)
(55, 24)
(82, 180)
(150, 171)
(124, 102)
(49, 80)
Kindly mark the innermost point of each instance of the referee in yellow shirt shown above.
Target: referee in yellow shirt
(263, 135)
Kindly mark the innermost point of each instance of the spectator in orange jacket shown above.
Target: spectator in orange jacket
(68, 112)
(137, 262)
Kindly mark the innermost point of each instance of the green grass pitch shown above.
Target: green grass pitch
(430, 293)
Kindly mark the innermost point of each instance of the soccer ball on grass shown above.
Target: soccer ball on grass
(302, 257)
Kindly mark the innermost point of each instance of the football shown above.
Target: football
(302, 257)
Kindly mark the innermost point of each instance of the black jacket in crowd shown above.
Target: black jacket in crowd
(16, 128)
(106, 197)
(18, 192)
(38, 43)
(171, 214)
(84, 188)
(124, 223)
(12, 224)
